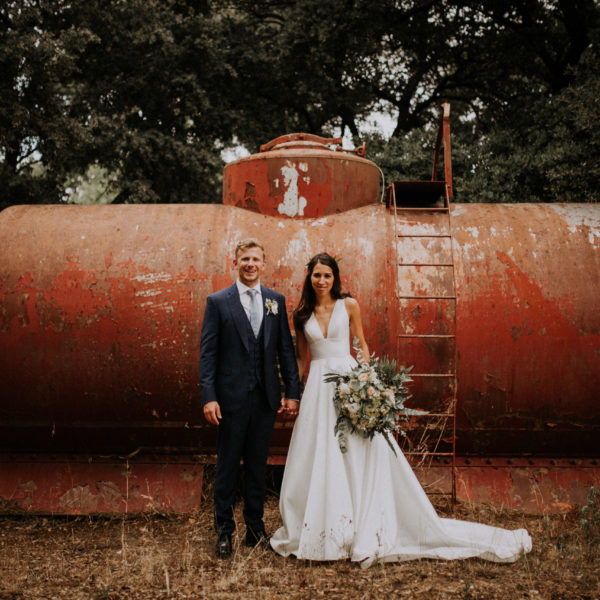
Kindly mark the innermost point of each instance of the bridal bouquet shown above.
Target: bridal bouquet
(370, 399)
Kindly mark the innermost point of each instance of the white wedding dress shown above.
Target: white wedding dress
(366, 505)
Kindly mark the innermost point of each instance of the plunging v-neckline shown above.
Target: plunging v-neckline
(325, 335)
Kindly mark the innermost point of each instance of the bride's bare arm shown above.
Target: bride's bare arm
(301, 352)
(356, 328)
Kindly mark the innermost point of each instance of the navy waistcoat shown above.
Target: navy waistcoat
(256, 364)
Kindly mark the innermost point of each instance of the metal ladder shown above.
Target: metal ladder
(427, 286)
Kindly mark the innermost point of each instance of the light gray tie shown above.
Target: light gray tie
(254, 312)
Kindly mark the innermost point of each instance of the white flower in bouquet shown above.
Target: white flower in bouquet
(352, 408)
(343, 389)
(370, 399)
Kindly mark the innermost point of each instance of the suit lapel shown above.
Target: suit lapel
(267, 319)
(238, 314)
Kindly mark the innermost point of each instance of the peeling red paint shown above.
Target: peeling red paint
(100, 340)
(300, 179)
(282, 273)
(527, 329)
(120, 344)
(219, 281)
(68, 485)
(534, 487)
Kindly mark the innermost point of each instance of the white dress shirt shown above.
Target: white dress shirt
(245, 298)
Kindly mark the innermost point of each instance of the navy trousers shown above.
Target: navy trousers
(244, 435)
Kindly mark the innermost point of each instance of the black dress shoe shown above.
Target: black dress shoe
(257, 538)
(224, 545)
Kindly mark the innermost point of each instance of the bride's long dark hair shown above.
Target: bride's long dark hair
(308, 299)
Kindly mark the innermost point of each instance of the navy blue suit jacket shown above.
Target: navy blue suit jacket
(224, 351)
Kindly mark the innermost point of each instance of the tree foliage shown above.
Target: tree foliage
(138, 98)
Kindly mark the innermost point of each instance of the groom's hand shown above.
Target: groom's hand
(289, 407)
(212, 412)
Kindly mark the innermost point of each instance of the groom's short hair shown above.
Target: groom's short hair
(248, 243)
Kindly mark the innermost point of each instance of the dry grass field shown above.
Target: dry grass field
(163, 556)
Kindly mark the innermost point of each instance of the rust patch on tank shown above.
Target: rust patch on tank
(79, 499)
(528, 321)
(110, 493)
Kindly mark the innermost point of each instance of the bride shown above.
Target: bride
(366, 504)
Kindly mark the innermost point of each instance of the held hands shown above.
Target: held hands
(289, 407)
(212, 412)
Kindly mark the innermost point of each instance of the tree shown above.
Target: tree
(38, 59)
(549, 152)
(521, 77)
(131, 87)
(145, 94)
(150, 88)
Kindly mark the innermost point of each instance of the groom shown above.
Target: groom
(244, 334)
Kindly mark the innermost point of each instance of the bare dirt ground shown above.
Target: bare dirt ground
(160, 556)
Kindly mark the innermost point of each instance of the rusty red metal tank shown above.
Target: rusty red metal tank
(101, 311)
(300, 175)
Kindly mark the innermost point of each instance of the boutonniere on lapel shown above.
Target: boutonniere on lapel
(271, 306)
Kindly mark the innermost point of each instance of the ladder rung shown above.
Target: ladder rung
(426, 297)
(424, 235)
(425, 264)
(423, 335)
(421, 209)
(432, 374)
